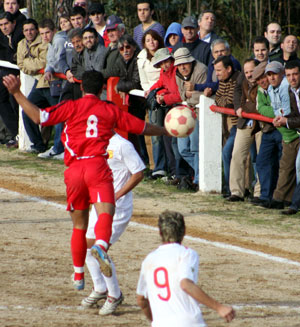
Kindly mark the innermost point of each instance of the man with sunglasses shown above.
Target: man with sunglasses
(126, 68)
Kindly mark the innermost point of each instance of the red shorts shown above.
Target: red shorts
(89, 181)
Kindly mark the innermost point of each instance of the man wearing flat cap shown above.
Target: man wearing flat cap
(193, 71)
(267, 160)
(199, 49)
(278, 91)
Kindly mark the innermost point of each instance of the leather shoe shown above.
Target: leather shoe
(235, 198)
(289, 212)
(259, 202)
(273, 204)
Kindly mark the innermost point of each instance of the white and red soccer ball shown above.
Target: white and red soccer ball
(180, 121)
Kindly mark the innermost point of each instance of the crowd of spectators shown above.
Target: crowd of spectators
(260, 159)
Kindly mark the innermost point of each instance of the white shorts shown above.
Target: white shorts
(120, 222)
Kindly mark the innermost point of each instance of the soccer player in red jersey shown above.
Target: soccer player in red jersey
(88, 126)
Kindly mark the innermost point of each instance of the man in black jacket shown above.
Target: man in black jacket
(199, 49)
(9, 38)
(126, 68)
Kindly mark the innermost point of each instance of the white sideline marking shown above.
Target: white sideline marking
(54, 308)
(195, 239)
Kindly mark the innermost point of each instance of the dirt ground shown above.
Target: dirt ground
(36, 263)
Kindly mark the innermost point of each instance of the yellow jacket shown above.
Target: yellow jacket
(31, 58)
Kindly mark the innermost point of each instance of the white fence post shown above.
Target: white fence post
(27, 82)
(210, 147)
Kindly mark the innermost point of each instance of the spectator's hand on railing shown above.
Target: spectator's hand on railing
(239, 112)
(12, 83)
(48, 76)
(207, 92)
(279, 121)
(70, 76)
(188, 94)
(189, 86)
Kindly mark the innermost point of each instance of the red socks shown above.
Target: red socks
(103, 229)
(78, 250)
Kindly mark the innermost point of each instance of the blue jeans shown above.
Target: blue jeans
(42, 98)
(296, 198)
(58, 146)
(267, 163)
(298, 167)
(188, 148)
(158, 148)
(226, 157)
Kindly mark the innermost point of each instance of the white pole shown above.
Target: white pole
(27, 82)
(210, 147)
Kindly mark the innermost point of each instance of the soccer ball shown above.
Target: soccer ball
(180, 121)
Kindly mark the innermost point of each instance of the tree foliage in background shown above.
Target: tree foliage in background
(237, 21)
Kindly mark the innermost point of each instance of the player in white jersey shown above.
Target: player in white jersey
(127, 168)
(167, 289)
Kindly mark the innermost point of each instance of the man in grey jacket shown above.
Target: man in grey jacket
(94, 52)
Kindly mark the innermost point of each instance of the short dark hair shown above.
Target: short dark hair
(8, 16)
(292, 64)
(208, 11)
(255, 61)
(126, 38)
(90, 30)
(47, 22)
(171, 226)
(92, 82)
(290, 35)
(226, 60)
(156, 37)
(151, 4)
(31, 21)
(273, 22)
(78, 11)
(260, 39)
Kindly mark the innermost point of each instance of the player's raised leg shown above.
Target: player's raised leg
(103, 230)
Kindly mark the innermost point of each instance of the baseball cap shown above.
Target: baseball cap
(112, 22)
(96, 8)
(189, 21)
(275, 67)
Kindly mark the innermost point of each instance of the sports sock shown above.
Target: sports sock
(94, 269)
(112, 283)
(78, 250)
(103, 229)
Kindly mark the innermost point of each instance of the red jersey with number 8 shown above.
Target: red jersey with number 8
(89, 124)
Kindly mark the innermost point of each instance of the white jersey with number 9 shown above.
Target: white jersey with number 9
(159, 282)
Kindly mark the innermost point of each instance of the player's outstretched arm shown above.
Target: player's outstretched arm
(132, 182)
(13, 84)
(196, 292)
(154, 130)
(144, 304)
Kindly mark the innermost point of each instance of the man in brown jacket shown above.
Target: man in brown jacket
(247, 132)
(224, 98)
